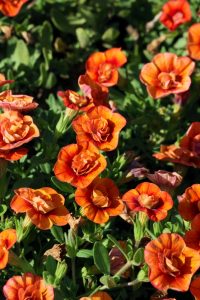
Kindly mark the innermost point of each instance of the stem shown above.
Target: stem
(74, 270)
(123, 269)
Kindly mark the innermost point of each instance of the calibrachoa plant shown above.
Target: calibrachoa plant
(99, 150)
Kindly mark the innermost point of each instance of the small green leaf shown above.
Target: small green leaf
(21, 54)
(57, 232)
(138, 257)
(82, 36)
(63, 186)
(3, 209)
(84, 253)
(101, 258)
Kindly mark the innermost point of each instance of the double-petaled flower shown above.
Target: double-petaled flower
(11, 8)
(79, 164)
(100, 126)
(44, 207)
(8, 238)
(8, 101)
(15, 131)
(92, 95)
(100, 200)
(175, 13)
(193, 44)
(167, 74)
(27, 286)
(148, 197)
(171, 263)
(188, 151)
(102, 67)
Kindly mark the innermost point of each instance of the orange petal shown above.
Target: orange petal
(9, 237)
(39, 220)
(165, 62)
(147, 188)
(59, 216)
(116, 57)
(19, 205)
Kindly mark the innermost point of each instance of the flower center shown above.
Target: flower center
(147, 201)
(172, 265)
(105, 72)
(177, 17)
(42, 202)
(99, 129)
(169, 80)
(196, 144)
(77, 99)
(84, 162)
(14, 131)
(100, 199)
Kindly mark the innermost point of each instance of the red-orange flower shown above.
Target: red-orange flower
(192, 237)
(102, 66)
(148, 197)
(189, 203)
(175, 13)
(93, 95)
(27, 286)
(44, 206)
(167, 74)
(8, 238)
(79, 164)
(11, 8)
(100, 126)
(178, 155)
(100, 200)
(16, 130)
(194, 41)
(195, 288)
(171, 263)
(98, 296)
(8, 101)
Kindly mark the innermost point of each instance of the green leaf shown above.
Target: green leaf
(59, 20)
(63, 186)
(57, 232)
(21, 54)
(84, 253)
(138, 257)
(101, 258)
(110, 34)
(82, 36)
(108, 281)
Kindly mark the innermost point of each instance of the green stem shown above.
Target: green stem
(74, 270)
(123, 269)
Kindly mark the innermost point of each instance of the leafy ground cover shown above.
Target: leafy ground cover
(99, 149)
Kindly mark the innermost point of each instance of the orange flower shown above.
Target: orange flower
(8, 101)
(11, 8)
(27, 286)
(3, 80)
(100, 200)
(171, 263)
(167, 74)
(100, 126)
(189, 203)
(8, 238)
(102, 66)
(175, 13)
(93, 95)
(44, 206)
(148, 197)
(14, 155)
(191, 140)
(192, 237)
(178, 155)
(79, 164)
(194, 41)
(16, 130)
(195, 288)
(98, 296)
